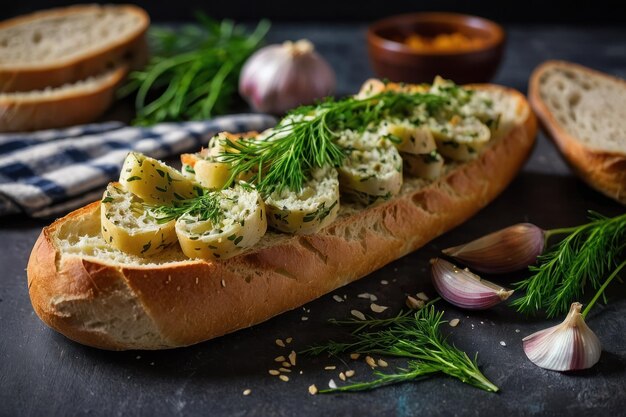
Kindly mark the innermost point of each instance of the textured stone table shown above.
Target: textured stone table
(42, 373)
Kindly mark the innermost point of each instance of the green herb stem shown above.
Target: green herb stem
(603, 287)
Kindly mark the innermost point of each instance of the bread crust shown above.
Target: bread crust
(604, 171)
(132, 50)
(72, 108)
(192, 301)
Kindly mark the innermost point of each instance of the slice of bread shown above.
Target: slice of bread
(61, 46)
(70, 104)
(584, 111)
(100, 296)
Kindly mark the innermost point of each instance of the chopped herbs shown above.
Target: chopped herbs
(204, 207)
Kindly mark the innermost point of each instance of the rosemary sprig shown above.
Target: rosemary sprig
(306, 138)
(205, 207)
(194, 69)
(415, 336)
(588, 253)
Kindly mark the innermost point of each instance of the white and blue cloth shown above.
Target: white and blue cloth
(51, 172)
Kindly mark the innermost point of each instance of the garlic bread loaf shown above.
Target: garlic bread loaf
(584, 112)
(101, 296)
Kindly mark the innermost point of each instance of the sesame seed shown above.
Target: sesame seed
(330, 367)
(292, 358)
(337, 298)
(138, 357)
(454, 322)
(370, 361)
(247, 392)
(312, 389)
(382, 363)
(223, 283)
(151, 363)
(377, 308)
(279, 359)
(517, 330)
(502, 343)
(280, 343)
(274, 372)
(357, 314)
(304, 318)
(178, 288)
(289, 340)
(332, 384)
(196, 280)
(368, 296)
(300, 372)
(342, 376)
(414, 303)
(354, 356)
(284, 378)
(350, 373)
(384, 282)
(286, 364)
(422, 296)
(284, 370)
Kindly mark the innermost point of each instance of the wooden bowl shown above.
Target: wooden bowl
(393, 59)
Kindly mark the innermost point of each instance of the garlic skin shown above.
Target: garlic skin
(507, 250)
(568, 346)
(464, 289)
(278, 78)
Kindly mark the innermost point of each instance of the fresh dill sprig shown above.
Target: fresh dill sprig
(205, 207)
(586, 255)
(194, 71)
(411, 335)
(306, 138)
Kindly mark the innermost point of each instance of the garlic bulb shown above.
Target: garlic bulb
(510, 249)
(464, 289)
(568, 346)
(277, 78)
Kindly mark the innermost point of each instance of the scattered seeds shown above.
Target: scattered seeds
(280, 343)
(337, 298)
(274, 372)
(330, 367)
(138, 357)
(342, 376)
(354, 356)
(413, 303)
(247, 391)
(223, 283)
(377, 308)
(454, 322)
(350, 373)
(284, 378)
(384, 282)
(312, 389)
(382, 363)
(286, 364)
(517, 330)
(332, 384)
(368, 296)
(304, 318)
(197, 280)
(284, 370)
(370, 361)
(357, 314)
(502, 343)
(292, 358)
(289, 340)
(279, 359)
(422, 296)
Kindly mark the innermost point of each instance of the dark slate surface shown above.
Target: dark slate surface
(44, 374)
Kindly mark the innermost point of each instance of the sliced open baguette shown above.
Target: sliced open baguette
(102, 297)
(584, 111)
(70, 104)
(63, 46)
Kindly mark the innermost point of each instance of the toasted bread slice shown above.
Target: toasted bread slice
(584, 111)
(63, 46)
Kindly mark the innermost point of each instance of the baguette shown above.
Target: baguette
(62, 46)
(584, 112)
(68, 105)
(108, 299)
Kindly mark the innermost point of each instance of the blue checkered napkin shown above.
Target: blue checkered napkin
(50, 172)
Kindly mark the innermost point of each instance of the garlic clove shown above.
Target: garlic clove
(510, 249)
(277, 78)
(568, 346)
(464, 289)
